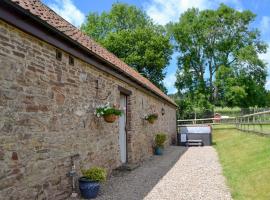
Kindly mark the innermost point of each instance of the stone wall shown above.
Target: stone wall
(47, 116)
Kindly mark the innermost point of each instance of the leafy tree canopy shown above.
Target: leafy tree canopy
(219, 62)
(132, 36)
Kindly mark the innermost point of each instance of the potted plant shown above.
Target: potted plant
(151, 118)
(160, 139)
(110, 114)
(89, 183)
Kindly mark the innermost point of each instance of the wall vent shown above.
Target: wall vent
(58, 55)
(71, 60)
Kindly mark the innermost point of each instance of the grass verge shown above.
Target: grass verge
(245, 159)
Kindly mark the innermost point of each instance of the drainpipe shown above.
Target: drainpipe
(72, 174)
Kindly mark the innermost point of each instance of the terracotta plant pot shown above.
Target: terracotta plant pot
(110, 118)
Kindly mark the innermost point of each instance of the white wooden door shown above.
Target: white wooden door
(122, 129)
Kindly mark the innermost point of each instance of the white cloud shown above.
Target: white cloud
(169, 83)
(266, 58)
(67, 10)
(164, 11)
(267, 85)
(265, 25)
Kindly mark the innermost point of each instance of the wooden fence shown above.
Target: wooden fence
(228, 122)
(257, 122)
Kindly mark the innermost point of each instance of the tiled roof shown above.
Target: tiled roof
(37, 8)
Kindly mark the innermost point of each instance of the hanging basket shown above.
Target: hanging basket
(151, 121)
(151, 118)
(110, 118)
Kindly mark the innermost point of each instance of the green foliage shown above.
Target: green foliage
(268, 99)
(229, 111)
(219, 60)
(150, 117)
(232, 92)
(95, 174)
(160, 139)
(187, 107)
(240, 88)
(132, 36)
(120, 17)
(107, 110)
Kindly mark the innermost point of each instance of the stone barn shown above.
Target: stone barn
(52, 78)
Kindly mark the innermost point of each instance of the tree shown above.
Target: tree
(219, 57)
(132, 36)
(231, 91)
(268, 99)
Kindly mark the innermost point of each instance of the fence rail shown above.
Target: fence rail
(211, 121)
(257, 122)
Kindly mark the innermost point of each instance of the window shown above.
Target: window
(71, 60)
(58, 55)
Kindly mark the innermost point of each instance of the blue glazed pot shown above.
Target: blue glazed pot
(89, 189)
(158, 151)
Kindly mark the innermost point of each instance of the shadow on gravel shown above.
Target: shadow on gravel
(136, 184)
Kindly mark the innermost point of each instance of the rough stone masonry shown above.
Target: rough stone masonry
(47, 115)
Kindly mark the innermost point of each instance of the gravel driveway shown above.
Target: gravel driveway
(180, 174)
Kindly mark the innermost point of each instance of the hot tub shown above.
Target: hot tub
(195, 132)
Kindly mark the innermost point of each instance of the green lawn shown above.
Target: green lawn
(245, 159)
(223, 126)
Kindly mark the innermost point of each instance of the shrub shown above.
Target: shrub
(95, 174)
(160, 139)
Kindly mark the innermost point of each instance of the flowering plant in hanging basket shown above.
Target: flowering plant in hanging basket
(151, 118)
(109, 113)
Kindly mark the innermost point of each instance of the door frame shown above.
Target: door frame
(127, 93)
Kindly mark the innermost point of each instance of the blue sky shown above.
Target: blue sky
(163, 11)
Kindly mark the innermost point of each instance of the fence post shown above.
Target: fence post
(241, 124)
(253, 122)
(260, 121)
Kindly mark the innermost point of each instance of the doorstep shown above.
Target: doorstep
(128, 167)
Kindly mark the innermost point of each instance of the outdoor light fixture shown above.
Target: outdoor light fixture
(162, 111)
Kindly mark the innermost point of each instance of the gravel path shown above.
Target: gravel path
(178, 175)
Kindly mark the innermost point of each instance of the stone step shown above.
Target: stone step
(123, 169)
(194, 143)
(128, 167)
(194, 140)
